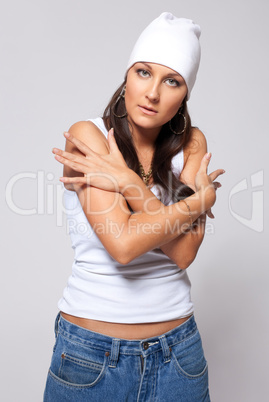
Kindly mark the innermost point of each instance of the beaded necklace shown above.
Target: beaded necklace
(145, 177)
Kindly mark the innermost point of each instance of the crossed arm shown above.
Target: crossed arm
(103, 197)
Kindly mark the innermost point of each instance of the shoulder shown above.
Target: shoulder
(193, 154)
(196, 144)
(90, 134)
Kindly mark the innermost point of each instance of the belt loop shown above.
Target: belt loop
(166, 349)
(115, 351)
(56, 324)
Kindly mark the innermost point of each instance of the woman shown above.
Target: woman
(136, 204)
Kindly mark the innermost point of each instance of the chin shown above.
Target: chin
(146, 122)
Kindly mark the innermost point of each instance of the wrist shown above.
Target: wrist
(138, 195)
(129, 182)
(208, 197)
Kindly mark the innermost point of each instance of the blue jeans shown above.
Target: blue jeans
(88, 366)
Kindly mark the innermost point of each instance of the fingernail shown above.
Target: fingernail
(66, 134)
(208, 155)
(111, 131)
(223, 171)
(55, 150)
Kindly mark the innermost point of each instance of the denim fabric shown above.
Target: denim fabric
(88, 366)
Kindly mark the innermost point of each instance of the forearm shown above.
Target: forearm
(184, 248)
(138, 195)
(144, 231)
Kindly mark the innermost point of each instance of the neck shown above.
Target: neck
(144, 139)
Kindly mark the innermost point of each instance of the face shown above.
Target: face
(154, 94)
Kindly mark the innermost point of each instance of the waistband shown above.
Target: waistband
(117, 346)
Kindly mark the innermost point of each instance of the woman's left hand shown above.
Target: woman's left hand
(107, 172)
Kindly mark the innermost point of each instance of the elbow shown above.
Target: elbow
(121, 249)
(185, 262)
(123, 258)
(184, 265)
(122, 254)
(125, 255)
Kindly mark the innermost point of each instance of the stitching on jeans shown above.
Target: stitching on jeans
(156, 358)
(184, 373)
(84, 362)
(81, 386)
(141, 364)
(115, 351)
(86, 344)
(165, 349)
(186, 338)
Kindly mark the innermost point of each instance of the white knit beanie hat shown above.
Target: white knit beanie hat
(172, 42)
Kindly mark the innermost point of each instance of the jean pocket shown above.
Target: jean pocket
(76, 365)
(188, 357)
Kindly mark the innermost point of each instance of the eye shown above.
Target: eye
(172, 83)
(143, 73)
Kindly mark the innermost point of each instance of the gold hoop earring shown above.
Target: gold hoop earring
(120, 97)
(184, 128)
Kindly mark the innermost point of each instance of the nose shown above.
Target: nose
(153, 93)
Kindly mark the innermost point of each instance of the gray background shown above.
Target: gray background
(60, 63)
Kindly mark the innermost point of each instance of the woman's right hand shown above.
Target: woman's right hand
(107, 172)
(206, 184)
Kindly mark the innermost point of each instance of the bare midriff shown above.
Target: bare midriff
(125, 331)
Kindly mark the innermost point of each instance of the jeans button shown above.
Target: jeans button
(145, 345)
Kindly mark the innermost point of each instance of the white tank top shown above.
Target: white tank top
(151, 288)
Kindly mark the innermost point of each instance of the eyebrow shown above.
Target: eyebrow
(168, 75)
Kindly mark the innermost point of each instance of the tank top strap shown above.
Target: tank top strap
(99, 122)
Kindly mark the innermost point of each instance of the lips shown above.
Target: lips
(147, 110)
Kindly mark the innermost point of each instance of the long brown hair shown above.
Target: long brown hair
(167, 145)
